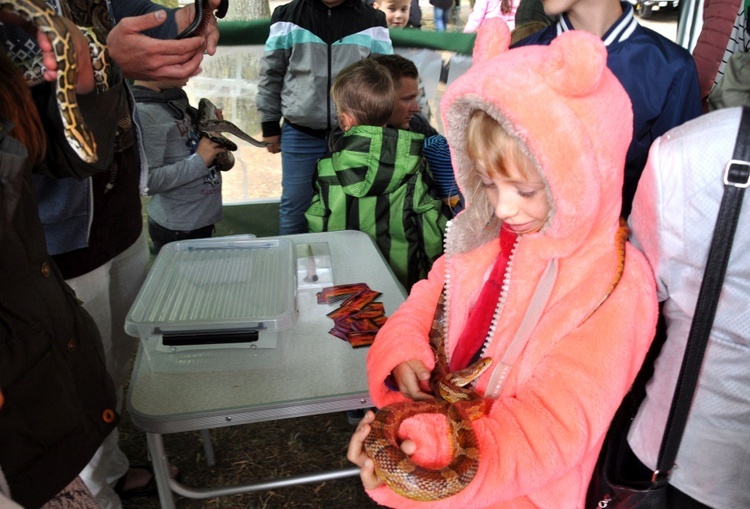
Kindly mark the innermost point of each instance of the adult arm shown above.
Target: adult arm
(273, 68)
(719, 17)
(683, 100)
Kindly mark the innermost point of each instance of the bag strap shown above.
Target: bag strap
(736, 179)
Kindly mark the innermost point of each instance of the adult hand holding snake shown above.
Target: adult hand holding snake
(146, 58)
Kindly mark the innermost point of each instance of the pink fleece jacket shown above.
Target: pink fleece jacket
(579, 343)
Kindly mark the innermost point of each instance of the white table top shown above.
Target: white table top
(314, 372)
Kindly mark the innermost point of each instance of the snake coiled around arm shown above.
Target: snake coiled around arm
(459, 405)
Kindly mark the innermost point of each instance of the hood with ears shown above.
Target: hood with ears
(571, 117)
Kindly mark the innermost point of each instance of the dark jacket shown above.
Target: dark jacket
(59, 399)
(659, 77)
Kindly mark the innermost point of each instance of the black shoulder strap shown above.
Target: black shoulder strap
(736, 179)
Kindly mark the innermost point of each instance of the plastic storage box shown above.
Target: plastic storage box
(216, 304)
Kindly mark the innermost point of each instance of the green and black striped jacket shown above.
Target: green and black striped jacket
(377, 181)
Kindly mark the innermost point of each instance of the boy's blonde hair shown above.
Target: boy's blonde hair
(365, 91)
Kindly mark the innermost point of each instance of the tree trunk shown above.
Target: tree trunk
(248, 9)
(239, 10)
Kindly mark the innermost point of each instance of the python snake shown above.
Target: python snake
(79, 137)
(45, 19)
(460, 406)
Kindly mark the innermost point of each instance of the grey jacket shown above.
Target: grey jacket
(186, 195)
(307, 46)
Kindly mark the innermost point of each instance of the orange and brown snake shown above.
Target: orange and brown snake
(458, 404)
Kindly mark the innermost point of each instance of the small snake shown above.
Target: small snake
(203, 18)
(459, 405)
(209, 125)
(79, 137)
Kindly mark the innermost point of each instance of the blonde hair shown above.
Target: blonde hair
(365, 90)
(490, 147)
(524, 30)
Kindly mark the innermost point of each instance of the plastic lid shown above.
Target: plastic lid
(217, 284)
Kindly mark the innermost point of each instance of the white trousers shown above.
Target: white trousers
(107, 293)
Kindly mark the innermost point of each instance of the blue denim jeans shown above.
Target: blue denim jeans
(441, 19)
(299, 157)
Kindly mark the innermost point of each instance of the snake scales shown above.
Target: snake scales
(79, 137)
(45, 19)
(458, 404)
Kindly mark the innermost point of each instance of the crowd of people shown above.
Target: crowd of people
(572, 123)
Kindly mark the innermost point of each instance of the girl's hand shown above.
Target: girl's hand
(356, 453)
(412, 378)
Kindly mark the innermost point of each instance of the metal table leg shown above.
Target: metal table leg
(160, 464)
(208, 447)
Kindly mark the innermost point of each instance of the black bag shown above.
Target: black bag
(442, 4)
(611, 485)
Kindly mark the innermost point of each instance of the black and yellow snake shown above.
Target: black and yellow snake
(45, 19)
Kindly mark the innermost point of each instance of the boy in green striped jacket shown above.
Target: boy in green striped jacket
(375, 180)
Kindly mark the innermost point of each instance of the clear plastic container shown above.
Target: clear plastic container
(216, 304)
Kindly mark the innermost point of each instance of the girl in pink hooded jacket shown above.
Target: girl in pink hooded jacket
(564, 307)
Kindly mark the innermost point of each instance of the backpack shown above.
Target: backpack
(734, 87)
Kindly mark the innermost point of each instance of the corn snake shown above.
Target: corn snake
(460, 406)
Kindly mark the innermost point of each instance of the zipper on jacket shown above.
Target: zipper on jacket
(330, 45)
(446, 293)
